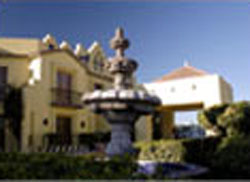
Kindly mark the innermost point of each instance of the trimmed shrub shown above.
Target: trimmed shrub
(161, 151)
(59, 166)
(197, 151)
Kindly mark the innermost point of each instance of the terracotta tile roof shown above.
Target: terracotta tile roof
(183, 72)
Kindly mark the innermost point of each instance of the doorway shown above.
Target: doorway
(63, 130)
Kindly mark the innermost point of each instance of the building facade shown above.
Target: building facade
(52, 78)
(187, 89)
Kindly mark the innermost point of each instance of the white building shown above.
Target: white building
(186, 89)
(189, 86)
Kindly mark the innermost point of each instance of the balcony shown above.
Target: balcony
(66, 98)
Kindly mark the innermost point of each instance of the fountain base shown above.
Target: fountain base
(120, 139)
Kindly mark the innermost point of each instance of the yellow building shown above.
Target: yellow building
(52, 78)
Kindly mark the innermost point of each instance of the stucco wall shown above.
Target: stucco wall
(18, 72)
(206, 89)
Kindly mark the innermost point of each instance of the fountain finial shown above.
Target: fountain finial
(119, 32)
(119, 43)
(121, 67)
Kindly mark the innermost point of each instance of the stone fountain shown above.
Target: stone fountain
(122, 105)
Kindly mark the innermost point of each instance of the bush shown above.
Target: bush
(226, 158)
(161, 151)
(197, 151)
(208, 118)
(233, 119)
(236, 119)
(59, 166)
(231, 160)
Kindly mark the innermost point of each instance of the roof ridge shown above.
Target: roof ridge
(181, 73)
(196, 69)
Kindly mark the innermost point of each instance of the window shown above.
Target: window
(51, 46)
(194, 87)
(3, 75)
(63, 90)
(45, 121)
(63, 130)
(3, 81)
(101, 65)
(98, 64)
(64, 80)
(172, 89)
(83, 124)
(95, 64)
(98, 86)
(84, 58)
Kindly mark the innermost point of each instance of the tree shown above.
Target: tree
(230, 119)
(208, 118)
(236, 119)
(13, 111)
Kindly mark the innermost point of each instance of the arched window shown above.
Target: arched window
(194, 87)
(98, 64)
(84, 58)
(51, 46)
(95, 64)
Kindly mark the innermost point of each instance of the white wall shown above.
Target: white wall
(209, 90)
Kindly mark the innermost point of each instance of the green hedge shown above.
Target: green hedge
(226, 158)
(232, 159)
(59, 166)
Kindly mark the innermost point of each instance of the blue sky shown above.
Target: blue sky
(214, 36)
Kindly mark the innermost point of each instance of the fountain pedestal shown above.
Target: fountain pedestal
(122, 126)
(120, 139)
(122, 105)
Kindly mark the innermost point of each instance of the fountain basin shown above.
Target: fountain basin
(126, 99)
(171, 170)
(121, 108)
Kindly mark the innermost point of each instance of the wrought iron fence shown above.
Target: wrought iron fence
(66, 98)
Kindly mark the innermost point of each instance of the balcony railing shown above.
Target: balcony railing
(75, 144)
(54, 142)
(56, 139)
(66, 98)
